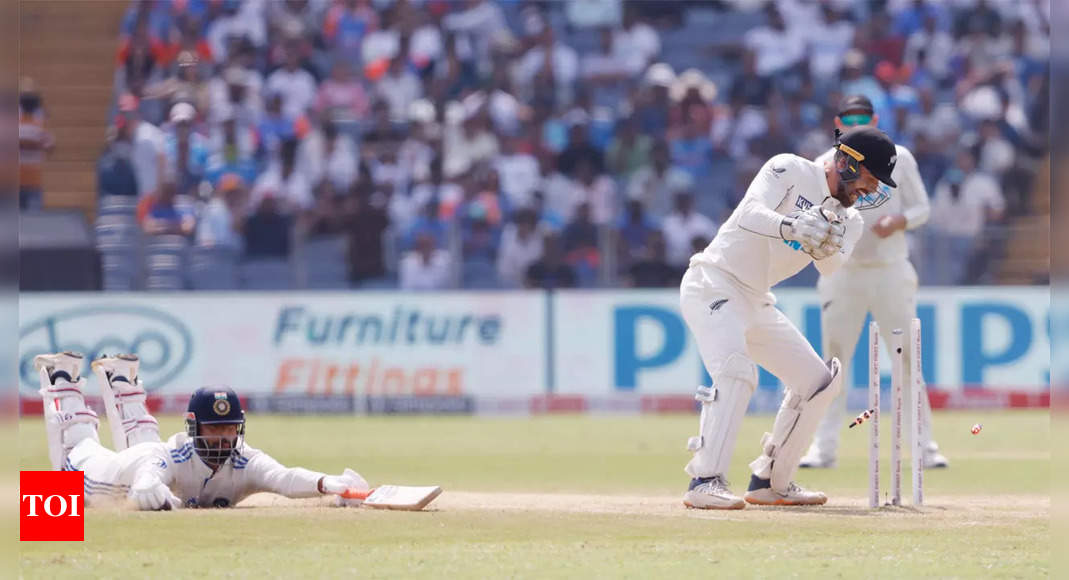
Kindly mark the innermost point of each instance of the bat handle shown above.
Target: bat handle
(353, 493)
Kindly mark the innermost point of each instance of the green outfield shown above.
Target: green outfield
(579, 496)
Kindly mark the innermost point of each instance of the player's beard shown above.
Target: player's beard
(842, 195)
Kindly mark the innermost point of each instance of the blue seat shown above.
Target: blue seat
(213, 268)
(324, 262)
(265, 274)
(479, 275)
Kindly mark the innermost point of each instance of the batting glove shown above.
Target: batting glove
(339, 484)
(150, 493)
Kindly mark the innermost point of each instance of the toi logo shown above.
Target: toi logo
(51, 506)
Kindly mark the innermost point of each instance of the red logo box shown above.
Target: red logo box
(51, 506)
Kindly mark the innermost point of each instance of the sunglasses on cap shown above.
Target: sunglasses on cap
(855, 120)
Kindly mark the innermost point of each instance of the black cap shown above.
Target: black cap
(856, 103)
(871, 148)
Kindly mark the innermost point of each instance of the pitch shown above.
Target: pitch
(577, 496)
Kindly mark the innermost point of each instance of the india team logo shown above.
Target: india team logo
(221, 406)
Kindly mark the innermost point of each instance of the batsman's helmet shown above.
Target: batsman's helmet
(218, 405)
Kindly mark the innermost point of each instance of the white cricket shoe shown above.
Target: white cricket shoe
(933, 459)
(814, 459)
(711, 493)
(120, 365)
(68, 362)
(796, 495)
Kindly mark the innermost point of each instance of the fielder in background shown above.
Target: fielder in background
(207, 466)
(878, 278)
(794, 212)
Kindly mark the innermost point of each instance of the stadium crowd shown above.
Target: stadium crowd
(506, 144)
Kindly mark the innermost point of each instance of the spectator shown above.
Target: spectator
(235, 151)
(606, 66)
(238, 20)
(652, 101)
(963, 203)
(276, 127)
(656, 185)
(931, 49)
(148, 145)
(549, 64)
(518, 170)
(383, 135)
(236, 95)
(161, 213)
(628, 151)
(427, 267)
(186, 150)
(296, 86)
(483, 22)
(777, 48)
(651, 270)
(427, 222)
(598, 191)
(222, 223)
(549, 221)
(636, 43)
(115, 168)
(693, 151)
(186, 84)
(34, 143)
(635, 228)
(365, 222)
(580, 244)
(521, 246)
(470, 143)
(330, 155)
(268, 230)
(284, 182)
(579, 148)
(828, 40)
(399, 88)
(345, 25)
(680, 228)
(551, 271)
(341, 96)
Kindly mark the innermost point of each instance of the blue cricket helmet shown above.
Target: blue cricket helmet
(215, 405)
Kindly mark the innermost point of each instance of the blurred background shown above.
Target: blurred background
(176, 146)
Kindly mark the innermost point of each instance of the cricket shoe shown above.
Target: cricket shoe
(933, 459)
(814, 459)
(761, 493)
(711, 493)
(118, 368)
(66, 363)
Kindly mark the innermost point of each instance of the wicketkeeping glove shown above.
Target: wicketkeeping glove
(150, 493)
(809, 228)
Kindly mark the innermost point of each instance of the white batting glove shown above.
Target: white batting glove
(339, 484)
(808, 228)
(150, 493)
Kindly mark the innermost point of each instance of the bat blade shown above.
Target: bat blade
(397, 497)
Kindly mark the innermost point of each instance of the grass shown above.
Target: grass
(568, 496)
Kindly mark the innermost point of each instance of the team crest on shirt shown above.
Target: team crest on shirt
(802, 203)
(873, 200)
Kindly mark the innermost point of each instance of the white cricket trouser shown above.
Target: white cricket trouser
(725, 320)
(109, 474)
(889, 292)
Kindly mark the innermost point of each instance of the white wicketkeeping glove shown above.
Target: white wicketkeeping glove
(808, 228)
(150, 493)
(832, 211)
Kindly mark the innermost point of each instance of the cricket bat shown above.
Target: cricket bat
(396, 497)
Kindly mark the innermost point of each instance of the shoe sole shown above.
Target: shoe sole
(738, 506)
(784, 502)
